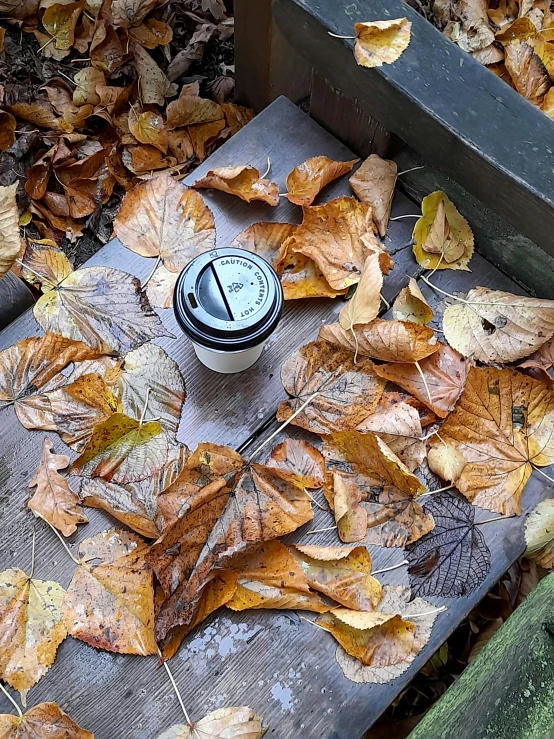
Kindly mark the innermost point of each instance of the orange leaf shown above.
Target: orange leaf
(44, 720)
(374, 183)
(148, 128)
(7, 130)
(190, 109)
(308, 179)
(244, 182)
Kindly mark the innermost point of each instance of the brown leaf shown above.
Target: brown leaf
(204, 135)
(307, 180)
(265, 239)
(148, 128)
(153, 84)
(9, 229)
(146, 159)
(43, 721)
(364, 305)
(180, 145)
(110, 601)
(528, 72)
(236, 116)
(350, 516)
(31, 629)
(193, 52)
(400, 428)
(8, 125)
(191, 109)
(60, 21)
(106, 50)
(381, 42)
(54, 500)
(374, 183)
(445, 375)
(131, 12)
(410, 305)
(43, 264)
(244, 182)
(86, 81)
(440, 234)
(40, 114)
(502, 426)
(300, 462)
(389, 341)
(18, 9)
(224, 723)
(339, 237)
(347, 393)
(151, 34)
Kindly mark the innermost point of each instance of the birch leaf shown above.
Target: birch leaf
(307, 180)
(381, 42)
(374, 183)
(10, 242)
(364, 305)
(440, 234)
(410, 305)
(225, 723)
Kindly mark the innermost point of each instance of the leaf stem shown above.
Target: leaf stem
(311, 497)
(336, 35)
(145, 408)
(424, 381)
(413, 169)
(438, 490)
(313, 623)
(281, 427)
(267, 170)
(26, 266)
(392, 567)
(397, 218)
(537, 469)
(319, 531)
(55, 530)
(147, 280)
(176, 689)
(385, 301)
(490, 520)
(425, 613)
(12, 701)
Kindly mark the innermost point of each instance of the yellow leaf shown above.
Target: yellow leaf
(441, 240)
(308, 179)
(86, 81)
(446, 462)
(458, 229)
(381, 42)
(410, 305)
(244, 182)
(44, 720)
(191, 109)
(539, 534)
(364, 305)
(527, 70)
(60, 22)
(148, 128)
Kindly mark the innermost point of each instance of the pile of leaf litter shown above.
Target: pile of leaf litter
(91, 101)
(513, 38)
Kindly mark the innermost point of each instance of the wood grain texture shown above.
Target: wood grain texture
(15, 298)
(443, 103)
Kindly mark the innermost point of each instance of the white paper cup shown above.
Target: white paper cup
(228, 302)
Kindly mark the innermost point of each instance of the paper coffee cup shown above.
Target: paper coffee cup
(228, 302)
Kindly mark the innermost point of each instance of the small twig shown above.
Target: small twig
(424, 381)
(81, 61)
(335, 35)
(281, 427)
(313, 623)
(319, 531)
(537, 469)
(147, 280)
(392, 567)
(55, 530)
(425, 613)
(143, 414)
(385, 301)
(438, 490)
(268, 168)
(12, 701)
(413, 169)
(490, 520)
(176, 689)
(397, 218)
(311, 497)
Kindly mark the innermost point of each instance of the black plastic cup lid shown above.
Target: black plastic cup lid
(228, 299)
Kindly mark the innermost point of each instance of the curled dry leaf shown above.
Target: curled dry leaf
(347, 393)
(374, 183)
(350, 515)
(40, 114)
(127, 13)
(153, 84)
(9, 229)
(31, 628)
(204, 135)
(339, 237)
(540, 362)
(440, 234)
(410, 305)
(265, 239)
(528, 72)
(394, 517)
(396, 599)
(110, 601)
(54, 500)
(445, 374)
(364, 305)
(381, 42)
(300, 461)
(400, 428)
(494, 326)
(148, 128)
(244, 182)
(453, 559)
(539, 534)
(225, 723)
(60, 21)
(191, 109)
(389, 341)
(44, 720)
(8, 124)
(307, 180)
(502, 426)
(446, 462)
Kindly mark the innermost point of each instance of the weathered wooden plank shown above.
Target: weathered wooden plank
(458, 115)
(15, 298)
(508, 690)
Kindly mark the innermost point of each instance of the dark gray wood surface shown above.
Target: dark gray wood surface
(15, 298)
(448, 107)
(274, 662)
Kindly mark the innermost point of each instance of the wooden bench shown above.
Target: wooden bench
(274, 662)
(15, 298)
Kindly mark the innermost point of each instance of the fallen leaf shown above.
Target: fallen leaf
(494, 326)
(265, 239)
(381, 42)
(60, 21)
(539, 534)
(502, 426)
(389, 341)
(44, 720)
(453, 559)
(54, 500)
(148, 128)
(146, 158)
(127, 13)
(180, 145)
(106, 50)
(236, 116)
(151, 34)
(40, 114)
(445, 374)
(8, 124)
(410, 305)
(400, 428)
(307, 180)
(225, 723)
(43, 264)
(528, 72)
(9, 229)
(204, 135)
(163, 218)
(110, 601)
(455, 232)
(18, 9)
(244, 182)
(190, 109)
(396, 599)
(374, 184)
(298, 461)
(394, 517)
(153, 84)
(31, 629)
(347, 393)
(302, 278)
(86, 81)
(540, 362)
(350, 515)
(364, 305)
(446, 462)
(339, 237)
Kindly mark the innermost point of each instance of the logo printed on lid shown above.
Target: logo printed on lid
(235, 287)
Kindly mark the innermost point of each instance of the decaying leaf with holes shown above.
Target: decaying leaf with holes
(410, 305)
(54, 500)
(243, 181)
(453, 559)
(31, 628)
(381, 42)
(539, 534)
(348, 392)
(9, 229)
(494, 326)
(364, 305)
(374, 183)
(400, 428)
(110, 601)
(445, 373)
(307, 180)
(394, 516)
(396, 599)
(503, 425)
(226, 506)
(443, 238)
(44, 720)
(225, 723)
(389, 341)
